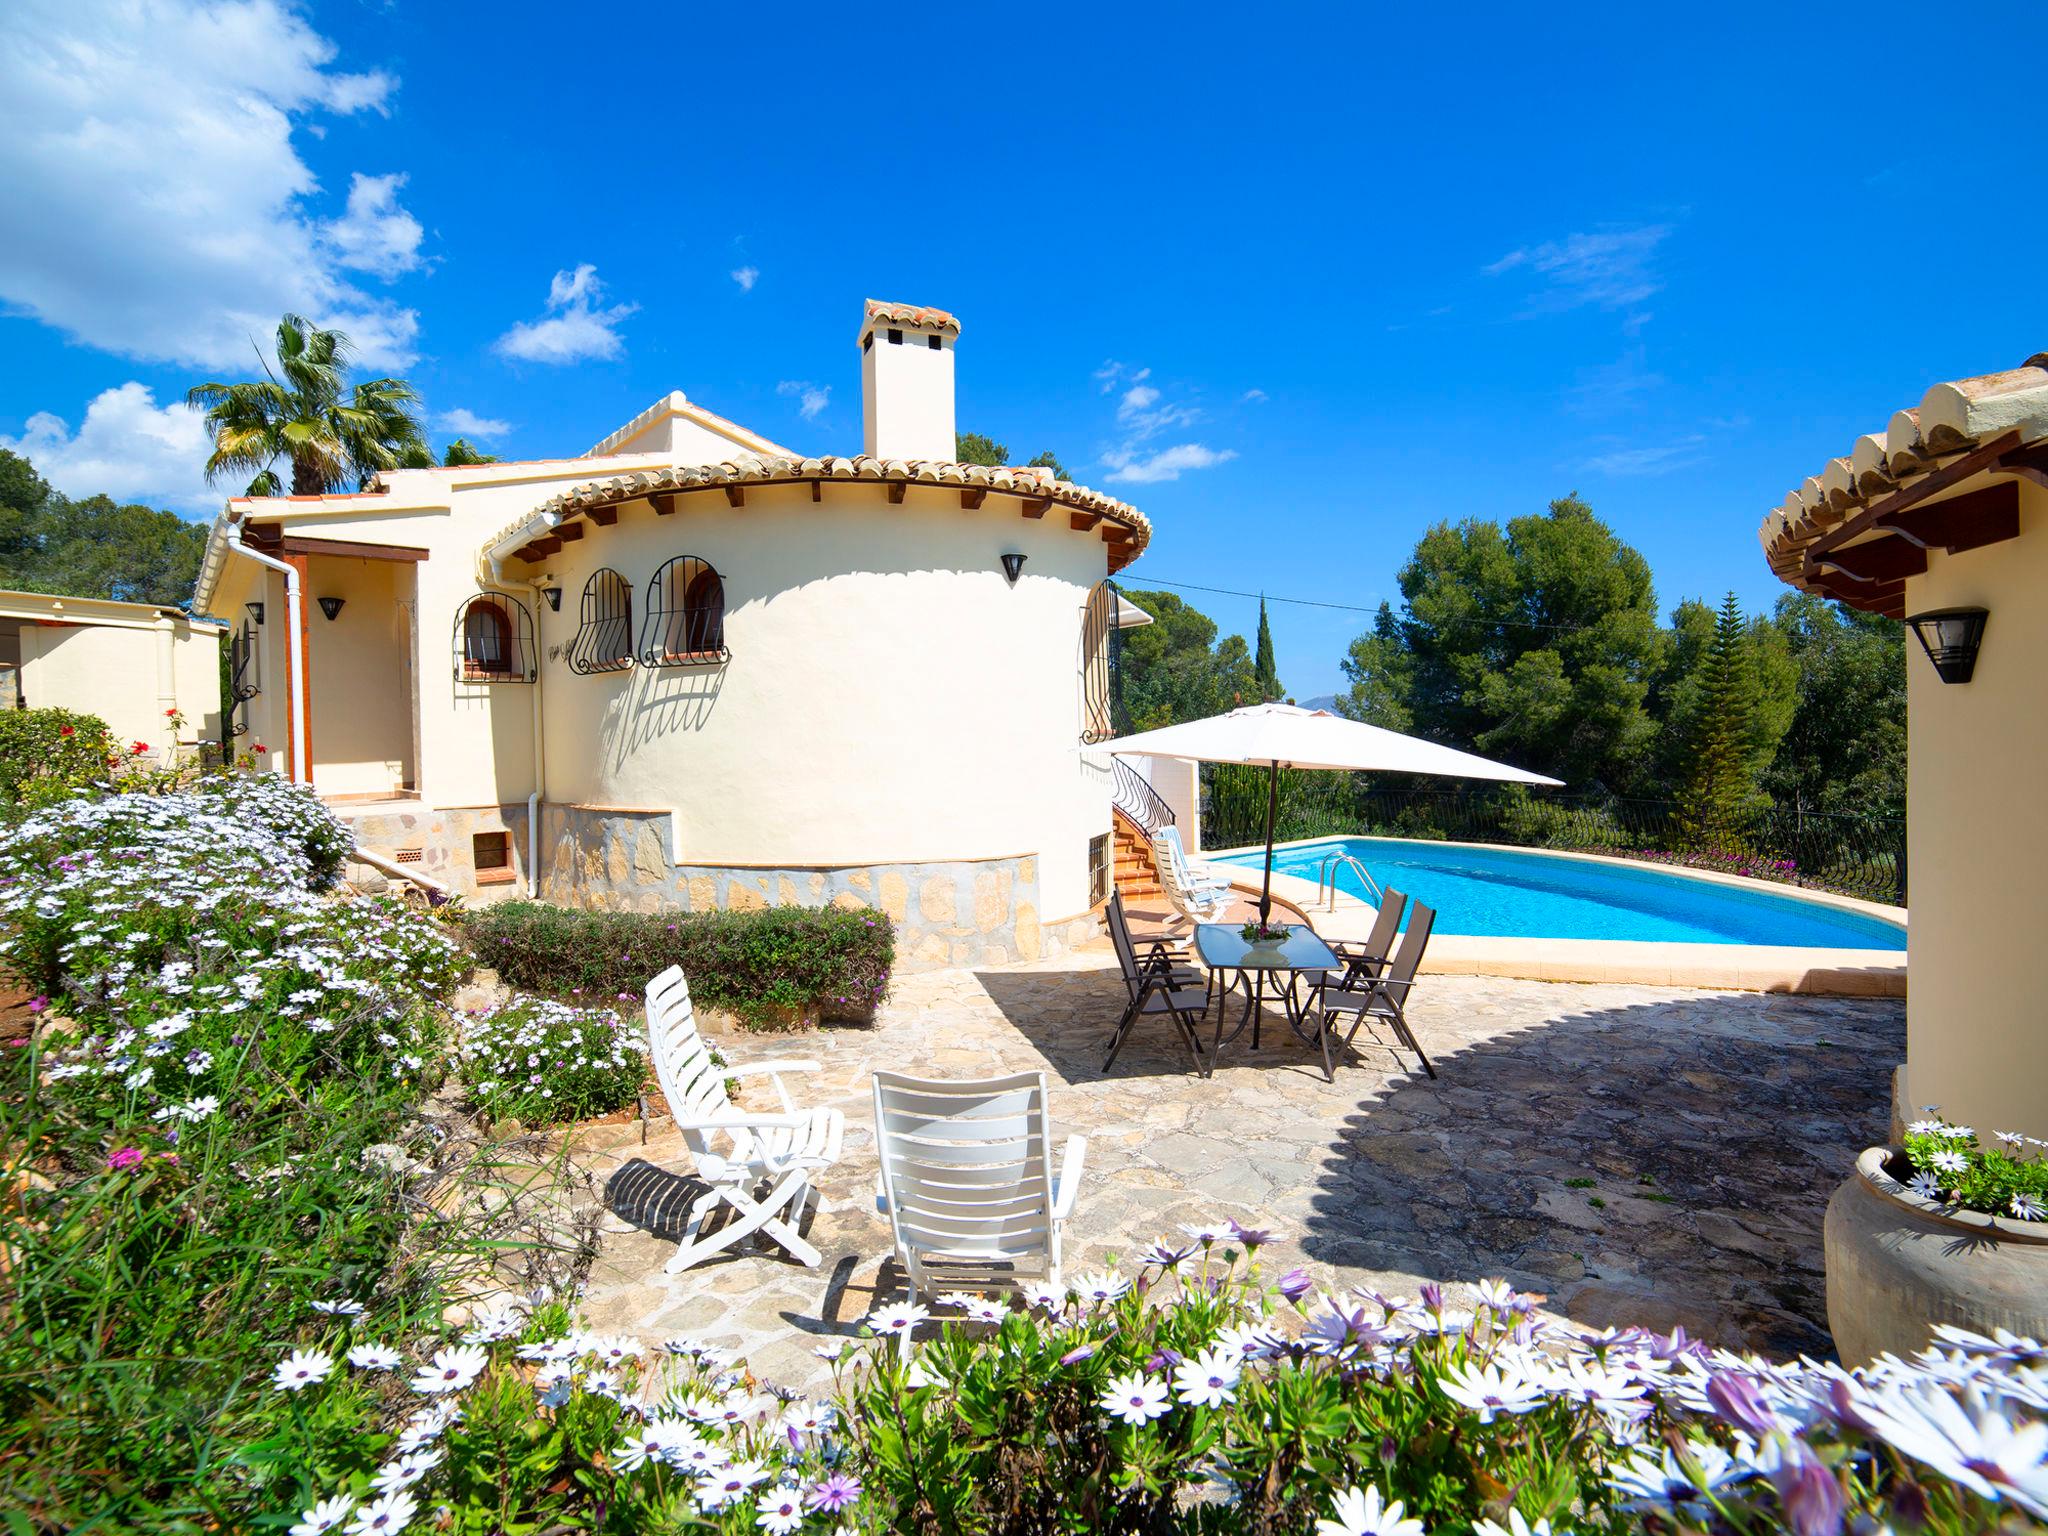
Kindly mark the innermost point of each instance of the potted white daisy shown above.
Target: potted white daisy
(1948, 1228)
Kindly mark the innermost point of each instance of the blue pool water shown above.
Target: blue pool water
(1514, 892)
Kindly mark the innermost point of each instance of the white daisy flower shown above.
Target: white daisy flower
(383, 1516)
(452, 1370)
(301, 1368)
(375, 1357)
(1360, 1512)
(1209, 1380)
(324, 1516)
(1135, 1398)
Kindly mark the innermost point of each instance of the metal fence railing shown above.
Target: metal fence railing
(1856, 855)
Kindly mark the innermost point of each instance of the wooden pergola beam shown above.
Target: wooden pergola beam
(569, 533)
(1037, 506)
(896, 490)
(736, 495)
(604, 517)
(972, 496)
(1081, 522)
(1878, 560)
(663, 502)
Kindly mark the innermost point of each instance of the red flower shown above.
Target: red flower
(67, 730)
(170, 712)
(257, 746)
(141, 747)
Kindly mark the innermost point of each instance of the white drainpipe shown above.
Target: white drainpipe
(540, 757)
(295, 683)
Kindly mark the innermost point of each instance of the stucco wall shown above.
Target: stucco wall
(126, 676)
(890, 697)
(1977, 839)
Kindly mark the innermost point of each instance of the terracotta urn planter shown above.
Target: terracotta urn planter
(1897, 1265)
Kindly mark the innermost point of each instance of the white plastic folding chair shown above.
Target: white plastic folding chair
(1197, 878)
(967, 1180)
(761, 1165)
(1196, 906)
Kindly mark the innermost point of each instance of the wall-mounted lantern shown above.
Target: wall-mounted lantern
(255, 613)
(1951, 637)
(554, 597)
(331, 606)
(1013, 564)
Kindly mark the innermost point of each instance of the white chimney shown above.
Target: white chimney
(906, 381)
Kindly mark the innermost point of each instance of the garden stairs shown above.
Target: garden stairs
(1137, 875)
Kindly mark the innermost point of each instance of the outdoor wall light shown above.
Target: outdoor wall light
(1951, 637)
(554, 597)
(1013, 563)
(255, 612)
(331, 606)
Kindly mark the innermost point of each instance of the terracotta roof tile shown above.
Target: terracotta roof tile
(1952, 419)
(911, 314)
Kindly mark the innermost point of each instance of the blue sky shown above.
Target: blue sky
(1296, 288)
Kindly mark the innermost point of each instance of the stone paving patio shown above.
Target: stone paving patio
(1638, 1154)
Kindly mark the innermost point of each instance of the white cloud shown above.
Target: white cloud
(159, 207)
(1252, 396)
(1139, 414)
(1611, 267)
(811, 398)
(1112, 373)
(466, 423)
(577, 325)
(128, 447)
(1166, 464)
(1657, 459)
(375, 235)
(746, 277)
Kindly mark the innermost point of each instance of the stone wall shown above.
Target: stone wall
(949, 913)
(443, 841)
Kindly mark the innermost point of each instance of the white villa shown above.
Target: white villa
(692, 668)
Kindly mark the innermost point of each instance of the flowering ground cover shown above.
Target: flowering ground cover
(1183, 1391)
(543, 1062)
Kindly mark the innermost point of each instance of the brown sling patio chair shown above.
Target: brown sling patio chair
(1384, 996)
(1155, 985)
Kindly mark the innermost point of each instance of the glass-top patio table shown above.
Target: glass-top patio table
(1223, 949)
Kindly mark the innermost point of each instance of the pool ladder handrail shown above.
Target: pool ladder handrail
(1337, 859)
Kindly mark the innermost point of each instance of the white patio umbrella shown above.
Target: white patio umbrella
(1287, 736)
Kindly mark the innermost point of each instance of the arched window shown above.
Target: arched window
(604, 631)
(685, 616)
(493, 640)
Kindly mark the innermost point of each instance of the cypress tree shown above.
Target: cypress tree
(1264, 667)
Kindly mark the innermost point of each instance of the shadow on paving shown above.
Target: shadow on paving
(1659, 1163)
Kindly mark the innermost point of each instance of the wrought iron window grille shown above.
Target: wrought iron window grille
(493, 640)
(604, 629)
(1102, 698)
(685, 616)
(244, 682)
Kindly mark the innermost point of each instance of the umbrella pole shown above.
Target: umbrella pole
(1272, 806)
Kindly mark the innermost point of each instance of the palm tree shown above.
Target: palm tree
(335, 438)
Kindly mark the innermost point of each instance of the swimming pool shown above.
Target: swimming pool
(1520, 893)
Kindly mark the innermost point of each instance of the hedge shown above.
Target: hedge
(820, 962)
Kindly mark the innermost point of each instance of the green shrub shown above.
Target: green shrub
(820, 962)
(543, 1062)
(47, 753)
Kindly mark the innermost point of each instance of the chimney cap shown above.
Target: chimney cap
(882, 312)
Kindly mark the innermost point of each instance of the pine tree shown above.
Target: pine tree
(1721, 783)
(1264, 667)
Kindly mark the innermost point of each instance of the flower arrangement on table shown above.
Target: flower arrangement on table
(1260, 933)
(1944, 1162)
